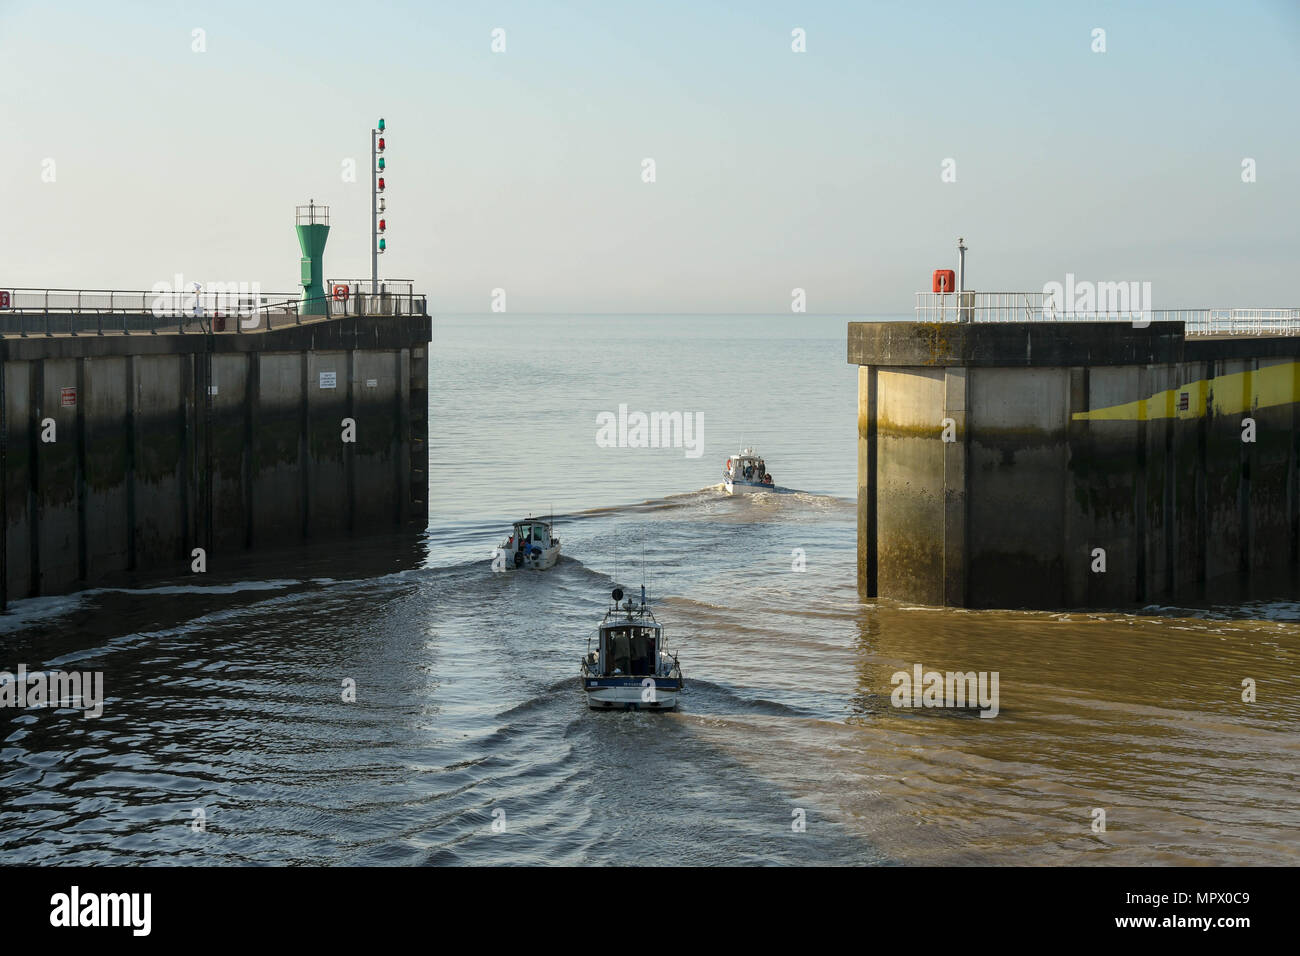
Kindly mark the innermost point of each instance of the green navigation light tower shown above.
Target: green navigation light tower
(313, 226)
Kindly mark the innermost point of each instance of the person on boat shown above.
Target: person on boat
(621, 646)
(638, 651)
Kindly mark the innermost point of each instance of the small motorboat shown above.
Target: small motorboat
(629, 669)
(532, 544)
(746, 473)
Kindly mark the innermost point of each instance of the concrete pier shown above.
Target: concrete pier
(124, 453)
(1074, 464)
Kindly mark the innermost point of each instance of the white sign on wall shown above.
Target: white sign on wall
(329, 380)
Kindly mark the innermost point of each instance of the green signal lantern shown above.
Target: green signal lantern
(381, 162)
(381, 124)
(383, 244)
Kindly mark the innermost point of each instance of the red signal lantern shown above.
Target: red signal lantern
(381, 183)
(383, 224)
(381, 144)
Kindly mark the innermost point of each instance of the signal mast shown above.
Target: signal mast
(378, 222)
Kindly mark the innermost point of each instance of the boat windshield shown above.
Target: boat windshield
(533, 533)
(630, 649)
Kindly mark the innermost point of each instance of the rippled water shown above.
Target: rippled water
(225, 694)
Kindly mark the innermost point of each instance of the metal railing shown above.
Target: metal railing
(100, 300)
(1041, 307)
(386, 286)
(49, 312)
(312, 214)
(1249, 322)
(278, 315)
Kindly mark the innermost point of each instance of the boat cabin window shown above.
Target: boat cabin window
(535, 533)
(630, 649)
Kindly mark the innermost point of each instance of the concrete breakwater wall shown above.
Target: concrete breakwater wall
(124, 453)
(1080, 464)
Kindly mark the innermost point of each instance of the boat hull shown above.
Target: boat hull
(537, 562)
(743, 487)
(630, 693)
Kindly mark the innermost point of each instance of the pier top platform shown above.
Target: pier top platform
(220, 308)
(997, 329)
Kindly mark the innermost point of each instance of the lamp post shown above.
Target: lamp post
(963, 314)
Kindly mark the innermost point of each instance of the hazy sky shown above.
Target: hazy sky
(774, 169)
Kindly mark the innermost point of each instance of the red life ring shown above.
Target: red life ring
(728, 464)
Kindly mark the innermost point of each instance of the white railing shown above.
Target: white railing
(94, 301)
(1042, 307)
(398, 287)
(26, 312)
(108, 301)
(1251, 322)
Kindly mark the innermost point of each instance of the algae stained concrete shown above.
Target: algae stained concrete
(1054, 465)
(124, 453)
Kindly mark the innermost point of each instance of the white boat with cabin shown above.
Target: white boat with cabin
(532, 544)
(746, 473)
(629, 668)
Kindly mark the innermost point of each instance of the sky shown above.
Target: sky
(847, 170)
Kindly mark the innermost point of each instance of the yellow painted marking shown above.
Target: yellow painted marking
(1233, 394)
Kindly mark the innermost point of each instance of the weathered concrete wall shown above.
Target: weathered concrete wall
(1014, 447)
(222, 442)
(910, 525)
(159, 432)
(1067, 438)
